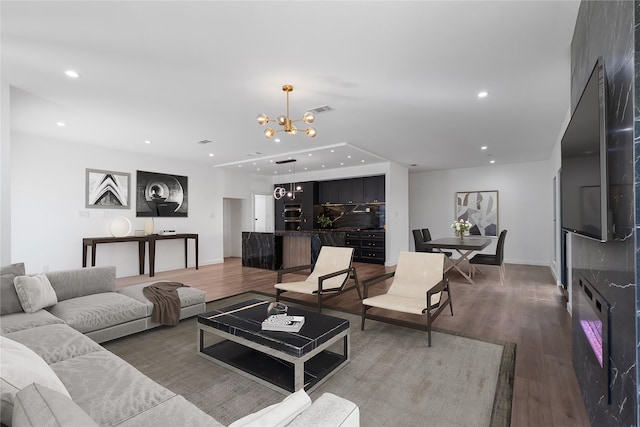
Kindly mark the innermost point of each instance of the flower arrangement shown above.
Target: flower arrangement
(461, 227)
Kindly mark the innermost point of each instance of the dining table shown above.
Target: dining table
(465, 247)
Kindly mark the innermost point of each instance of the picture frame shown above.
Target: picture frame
(107, 189)
(161, 195)
(480, 208)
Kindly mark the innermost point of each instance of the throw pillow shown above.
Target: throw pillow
(39, 406)
(9, 302)
(35, 292)
(279, 414)
(21, 367)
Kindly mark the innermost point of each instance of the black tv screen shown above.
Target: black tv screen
(584, 182)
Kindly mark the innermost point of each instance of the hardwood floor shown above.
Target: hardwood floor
(528, 310)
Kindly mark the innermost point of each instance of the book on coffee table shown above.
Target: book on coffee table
(283, 323)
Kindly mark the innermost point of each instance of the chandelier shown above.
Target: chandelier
(286, 123)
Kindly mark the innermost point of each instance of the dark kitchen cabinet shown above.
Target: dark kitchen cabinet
(368, 245)
(373, 188)
(350, 191)
(328, 192)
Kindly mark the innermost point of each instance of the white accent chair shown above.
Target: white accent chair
(328, 278)
(418, 287)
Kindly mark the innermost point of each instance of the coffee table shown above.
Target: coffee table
(283, 361)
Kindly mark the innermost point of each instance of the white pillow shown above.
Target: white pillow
(19, 367)
(279, 414)
(35, 292)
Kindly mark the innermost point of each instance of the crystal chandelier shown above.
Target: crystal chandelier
(286, 123)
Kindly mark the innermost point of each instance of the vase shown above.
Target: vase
(461, 235)
(149, 227)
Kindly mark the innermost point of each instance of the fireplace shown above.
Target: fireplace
(593, 318)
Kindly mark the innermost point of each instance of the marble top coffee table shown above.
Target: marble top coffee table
(233, 337)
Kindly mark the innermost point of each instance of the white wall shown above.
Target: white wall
(5, 175)
(48, 206)
(525, 193)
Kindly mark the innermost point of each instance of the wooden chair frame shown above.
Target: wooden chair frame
(442, 286)
(322, 293)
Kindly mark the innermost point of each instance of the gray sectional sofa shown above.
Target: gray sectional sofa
(54, 372)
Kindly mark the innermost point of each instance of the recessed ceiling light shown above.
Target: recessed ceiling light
(271, 161)
(483, 94)
(258, 169)
(322, 165)
(72, 74)
(306, 168)
(341, 164)
(254, 163)
(362, 161)
(310, 154)
(484, 147)
(348, 157)
(277, 140)
(275, 172)
(492, 161)
(333, 151)
(61, 124)
(210, 154)
(147, 141)
(239, 166)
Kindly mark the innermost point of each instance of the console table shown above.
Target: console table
(152, 248)
(94, 241)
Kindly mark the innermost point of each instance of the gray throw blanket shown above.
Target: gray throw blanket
(166, 303)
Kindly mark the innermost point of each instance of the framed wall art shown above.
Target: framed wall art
(480, 208)
(159, 194)
(107, 189)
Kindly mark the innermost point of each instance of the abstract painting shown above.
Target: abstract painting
(159, 194)
(107, 189)
(480, 208)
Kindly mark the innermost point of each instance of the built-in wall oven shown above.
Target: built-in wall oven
(292, 216)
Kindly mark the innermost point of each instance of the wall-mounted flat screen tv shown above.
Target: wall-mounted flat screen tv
(584, 176)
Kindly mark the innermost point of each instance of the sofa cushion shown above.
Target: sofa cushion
(329, 410)
(98, 311)
(176, 411)
(83, 281)
(279, 414)
(20, 368)
(188, 296)
(55, 343)
(18, 321)
(34, 292)
(40, 406)
(9, 302)
(109, 389)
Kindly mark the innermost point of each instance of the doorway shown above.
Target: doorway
(263, 206)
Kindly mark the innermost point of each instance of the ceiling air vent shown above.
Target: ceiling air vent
(322, 109)
(204, 141)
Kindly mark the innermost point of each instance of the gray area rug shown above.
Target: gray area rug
(394, 378)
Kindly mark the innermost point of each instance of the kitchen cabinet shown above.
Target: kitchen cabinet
(350, 191)
(328, 192)
(373, 188)
(368, 245)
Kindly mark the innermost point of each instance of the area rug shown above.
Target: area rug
(393, 377)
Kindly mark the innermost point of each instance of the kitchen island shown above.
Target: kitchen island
(283, 249)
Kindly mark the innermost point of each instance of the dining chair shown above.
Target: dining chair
(488, 259)
(418, 287)
(426, 236)
(328, 278)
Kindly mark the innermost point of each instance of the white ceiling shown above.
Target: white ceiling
(401, 77)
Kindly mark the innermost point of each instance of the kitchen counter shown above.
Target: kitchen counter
(283, 248)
